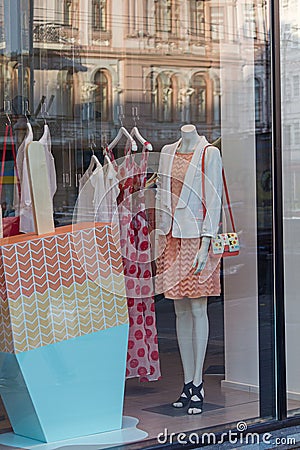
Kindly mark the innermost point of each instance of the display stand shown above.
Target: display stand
(63, 332)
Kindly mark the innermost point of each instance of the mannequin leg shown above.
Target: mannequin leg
(184, 331)
(200, 339)
(200, 335)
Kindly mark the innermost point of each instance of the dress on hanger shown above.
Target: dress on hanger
(25, 209)
(91, 184)
(98, 192)
(174, 272)
(19, 162)
(142, 355)
(112, 191)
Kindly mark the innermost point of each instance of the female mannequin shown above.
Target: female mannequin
(187, 234)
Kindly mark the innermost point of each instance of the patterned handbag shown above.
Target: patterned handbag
(224, 244)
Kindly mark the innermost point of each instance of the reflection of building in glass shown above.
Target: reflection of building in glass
(162, 56)
(118, 47)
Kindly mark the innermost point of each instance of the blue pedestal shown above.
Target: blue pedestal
(67, 389)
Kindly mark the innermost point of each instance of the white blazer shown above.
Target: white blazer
(188, 217)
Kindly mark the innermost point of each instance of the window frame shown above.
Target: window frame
(197, 115)
(98, 95)
(99, 17)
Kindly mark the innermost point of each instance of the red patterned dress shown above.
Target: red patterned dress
(142, 355)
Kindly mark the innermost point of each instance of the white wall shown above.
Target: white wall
(239, 156)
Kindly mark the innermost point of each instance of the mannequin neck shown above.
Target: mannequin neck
(189, 139)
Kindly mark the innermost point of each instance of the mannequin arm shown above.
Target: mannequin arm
(201, 257)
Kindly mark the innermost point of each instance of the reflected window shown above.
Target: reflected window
(163, 15)
(15, 82)
(102, 98)
(99, 15)
(216, 102)
(258, 100)
(297, 133)
(197, 17)
(146, 15)
(250, 21)
(198, 99)
(164, 98)
(296, 85)
(287, 135)
(69, 95)
(3, 82)
(67, 12)
(217, 23)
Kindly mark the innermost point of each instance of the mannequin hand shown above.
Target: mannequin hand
(202, 255)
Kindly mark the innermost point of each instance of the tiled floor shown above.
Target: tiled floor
(224, 405)
(150, 402)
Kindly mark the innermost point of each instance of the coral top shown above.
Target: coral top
(174, 270)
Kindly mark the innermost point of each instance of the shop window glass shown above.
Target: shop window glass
(144, 63)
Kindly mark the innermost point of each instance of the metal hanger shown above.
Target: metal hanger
(135, 131)
(122, 132)
(94, 160)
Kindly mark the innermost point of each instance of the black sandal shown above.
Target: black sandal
(186, 398)
(198, 404)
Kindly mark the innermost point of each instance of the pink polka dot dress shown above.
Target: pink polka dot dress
(142, 356)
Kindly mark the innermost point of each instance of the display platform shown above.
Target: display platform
(127, 434)
(63, 332)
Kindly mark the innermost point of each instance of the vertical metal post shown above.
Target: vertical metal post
(280, 354)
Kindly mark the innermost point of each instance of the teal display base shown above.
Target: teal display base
(126, 435)
(68, 389)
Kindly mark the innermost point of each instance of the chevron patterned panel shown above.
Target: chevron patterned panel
(6, 342)
(61, 286)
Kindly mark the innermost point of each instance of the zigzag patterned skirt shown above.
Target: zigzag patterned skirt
(175, 272)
